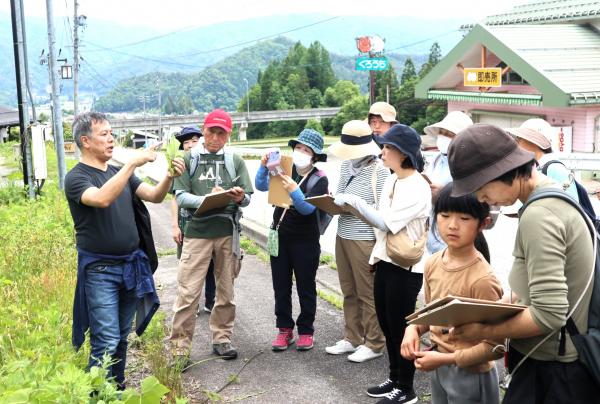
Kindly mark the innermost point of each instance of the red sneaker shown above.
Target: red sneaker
(305, 342)
(283, 340)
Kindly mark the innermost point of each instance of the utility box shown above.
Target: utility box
(38, 150)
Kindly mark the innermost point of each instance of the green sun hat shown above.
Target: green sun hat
(312, 139)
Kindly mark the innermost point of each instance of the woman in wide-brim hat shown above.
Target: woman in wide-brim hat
(554, 260)
(298, 233)
(360, 175)
(437, 170)
(405, 203)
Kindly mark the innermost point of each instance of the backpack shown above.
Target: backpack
(587, 345)
(227, 157)
(584, 199)
(323, 218)
(144, 229)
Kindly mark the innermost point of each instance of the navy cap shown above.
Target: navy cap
(187, 133)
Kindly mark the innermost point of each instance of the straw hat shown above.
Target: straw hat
(454, 122)
(386, 111)
(536, 131)
(356, 141)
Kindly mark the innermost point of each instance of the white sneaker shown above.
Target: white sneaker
(363, 353)
(340, 347)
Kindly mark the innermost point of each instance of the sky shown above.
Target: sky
(173, 14)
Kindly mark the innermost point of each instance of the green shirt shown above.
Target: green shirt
(211, 171)
(553, 259)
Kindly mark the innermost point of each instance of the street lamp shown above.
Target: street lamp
(247, 98)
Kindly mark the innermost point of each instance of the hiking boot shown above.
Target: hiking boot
(399, 396)
(305, 342)
(341, 347)
(362, 354)
(382, 389)
(225, 350)
(283, 340)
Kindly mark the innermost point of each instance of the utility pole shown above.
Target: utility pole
(160, 135)
(56, 109)
(75, 59)
(16, 7)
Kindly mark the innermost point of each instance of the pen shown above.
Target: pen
(235, 179)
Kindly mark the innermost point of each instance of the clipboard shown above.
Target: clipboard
(213, 201)
(278, 196)
(453, 311)
(326, 203)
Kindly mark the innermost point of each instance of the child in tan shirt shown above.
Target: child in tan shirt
(460, 371)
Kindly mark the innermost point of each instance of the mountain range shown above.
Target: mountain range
(111, 53)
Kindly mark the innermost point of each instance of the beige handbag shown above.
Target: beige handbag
(401, 249)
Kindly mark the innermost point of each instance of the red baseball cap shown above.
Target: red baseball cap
(218, 118)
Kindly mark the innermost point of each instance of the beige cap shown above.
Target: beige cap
(536, 131)
(386, 111)
(356, 141)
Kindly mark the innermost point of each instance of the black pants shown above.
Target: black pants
(301, 259)
(395, 292)
(210, 286)
(549, 382)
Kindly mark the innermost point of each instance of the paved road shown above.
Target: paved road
(290, 376)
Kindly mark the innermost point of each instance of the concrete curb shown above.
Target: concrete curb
(259, 235)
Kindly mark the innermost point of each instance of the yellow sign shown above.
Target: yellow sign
(483, 77)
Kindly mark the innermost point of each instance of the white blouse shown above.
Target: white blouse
(410, 208)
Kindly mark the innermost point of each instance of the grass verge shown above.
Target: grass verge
(38, 267)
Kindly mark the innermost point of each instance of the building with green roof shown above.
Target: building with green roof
(549, 53)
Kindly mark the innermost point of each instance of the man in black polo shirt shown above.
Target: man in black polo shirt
(114, 274)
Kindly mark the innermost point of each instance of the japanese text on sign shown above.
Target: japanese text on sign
(483, 77)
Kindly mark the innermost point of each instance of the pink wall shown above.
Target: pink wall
(581, 118)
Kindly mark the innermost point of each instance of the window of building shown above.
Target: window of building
(512, 77)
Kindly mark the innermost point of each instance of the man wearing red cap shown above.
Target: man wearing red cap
(210, 167)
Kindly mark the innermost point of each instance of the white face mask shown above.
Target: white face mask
(300, 159)
(442, 143)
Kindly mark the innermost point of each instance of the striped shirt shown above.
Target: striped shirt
(349, 226)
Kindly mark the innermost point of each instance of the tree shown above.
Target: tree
(314, 124)
(385, 82)
(355, 108)
(43, 118)
(318, 67)
(408, 72)
(342, 91)
(435, 54)
(185, 105)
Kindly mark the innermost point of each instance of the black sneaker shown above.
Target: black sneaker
(208, 306)
(399, 396)
(381, 389)
(225, 350)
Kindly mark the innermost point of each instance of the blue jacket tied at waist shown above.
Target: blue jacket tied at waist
(137, 275)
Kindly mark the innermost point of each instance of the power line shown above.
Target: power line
(257, 39)
(113, 49)
(422, 41)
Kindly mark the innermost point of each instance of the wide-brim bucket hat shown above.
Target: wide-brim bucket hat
(454, 122)
(187, 133)
(536, 131)
(313, 139)
(355, 142)
(405, 139)
(480, 154)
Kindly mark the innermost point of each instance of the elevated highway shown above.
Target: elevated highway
(241, 118)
